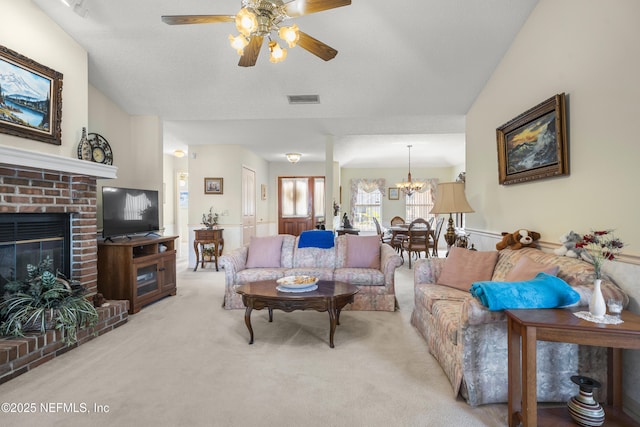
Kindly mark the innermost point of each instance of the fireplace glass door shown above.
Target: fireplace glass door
(30, 238)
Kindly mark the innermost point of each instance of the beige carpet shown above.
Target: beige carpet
(185, 361)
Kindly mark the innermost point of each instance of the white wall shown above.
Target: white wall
(587, 49)
(136, 142)
(29, 32)
(223, 161)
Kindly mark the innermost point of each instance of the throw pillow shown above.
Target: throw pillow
(363, 251)
(264, 252)
(463, 267)
(526, 269)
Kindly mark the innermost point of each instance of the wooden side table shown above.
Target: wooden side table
(208, 237)
(341, 231)
(525, 327)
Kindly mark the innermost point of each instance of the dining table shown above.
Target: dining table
(400, 232)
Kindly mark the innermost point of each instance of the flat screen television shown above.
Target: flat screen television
(127, 211)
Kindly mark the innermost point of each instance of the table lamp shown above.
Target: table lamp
(450, 199)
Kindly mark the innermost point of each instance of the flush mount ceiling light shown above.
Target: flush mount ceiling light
(179, 153)
(258, 19)
(408, 186)
(293, 157)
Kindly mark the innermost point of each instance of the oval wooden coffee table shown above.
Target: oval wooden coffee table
(331, 296)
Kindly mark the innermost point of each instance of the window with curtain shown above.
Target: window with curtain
(419, 204)
(366, 202)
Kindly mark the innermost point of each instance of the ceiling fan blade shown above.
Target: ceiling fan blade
(305, 7)
(316, 47)
(251, 52)
(197, 19)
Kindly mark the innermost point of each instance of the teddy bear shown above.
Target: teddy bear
(519, 239)
(569, 248)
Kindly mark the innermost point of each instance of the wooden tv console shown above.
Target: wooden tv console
(139, 269)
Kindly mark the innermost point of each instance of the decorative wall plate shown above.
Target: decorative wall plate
(100, 149)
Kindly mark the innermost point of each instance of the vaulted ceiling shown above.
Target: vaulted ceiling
(406, 73)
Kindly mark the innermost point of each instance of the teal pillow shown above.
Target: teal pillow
(543, 291)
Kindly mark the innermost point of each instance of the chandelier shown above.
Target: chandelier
(261, 18)
(408, 186)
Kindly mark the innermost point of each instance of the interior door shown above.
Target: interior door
(300, 204)
(248, 205)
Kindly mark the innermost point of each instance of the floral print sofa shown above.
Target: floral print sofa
(470, 342)
(376, 285)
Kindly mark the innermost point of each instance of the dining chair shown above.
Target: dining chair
(436, 236)
(384, 238)
(417, 239)
(397, 220)
(397, 237)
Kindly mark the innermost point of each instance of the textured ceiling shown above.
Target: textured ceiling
(406, 73)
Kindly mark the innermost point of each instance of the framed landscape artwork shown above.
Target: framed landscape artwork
(213, 186)
(30, 98)
(394, 194)
(534, 145)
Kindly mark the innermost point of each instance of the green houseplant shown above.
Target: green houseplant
(45, 300)
(208, 252)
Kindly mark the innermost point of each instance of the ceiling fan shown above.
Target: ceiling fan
(257, 19)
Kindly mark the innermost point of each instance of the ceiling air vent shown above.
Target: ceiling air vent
(303, 99)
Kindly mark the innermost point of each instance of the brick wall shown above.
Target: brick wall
(25, 189)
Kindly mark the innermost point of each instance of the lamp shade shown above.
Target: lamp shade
(451, 199)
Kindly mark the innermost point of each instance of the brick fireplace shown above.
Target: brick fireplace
(32, 182)
(35, 182)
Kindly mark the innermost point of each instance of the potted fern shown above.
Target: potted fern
(45, 300)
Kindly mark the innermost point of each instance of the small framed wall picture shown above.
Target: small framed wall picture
(263, 191)
(394, 194)
(213, 186)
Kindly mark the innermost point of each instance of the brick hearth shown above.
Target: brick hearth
(44, 183)
(21, 354)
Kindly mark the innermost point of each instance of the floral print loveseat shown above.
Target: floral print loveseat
(470, 342)
(376, 285)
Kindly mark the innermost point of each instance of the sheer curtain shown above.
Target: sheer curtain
(363, 209)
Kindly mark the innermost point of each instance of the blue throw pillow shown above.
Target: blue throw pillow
(543, 291)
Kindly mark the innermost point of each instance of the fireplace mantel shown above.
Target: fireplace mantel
(18, 157)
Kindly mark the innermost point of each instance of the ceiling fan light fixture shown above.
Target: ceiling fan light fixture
(277, 53)
(290, 34)
(238, 43)
(246, 21)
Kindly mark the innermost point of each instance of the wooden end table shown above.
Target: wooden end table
(208, 236)
(525, 327)
(331, 296)
(342, 231)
